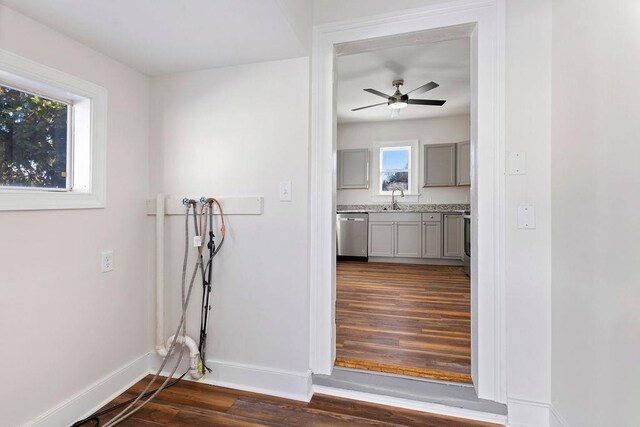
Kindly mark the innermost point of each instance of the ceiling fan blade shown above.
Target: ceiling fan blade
(423, 88)
(437, 102)
(369, 106)
(377, 92)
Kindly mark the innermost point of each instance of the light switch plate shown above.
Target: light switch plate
(107, 261)
(526, 217)
(517, 163)
(285, 191)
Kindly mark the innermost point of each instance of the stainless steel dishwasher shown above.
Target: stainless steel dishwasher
(352, 234)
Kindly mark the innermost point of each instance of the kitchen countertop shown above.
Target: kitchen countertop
(432, 208)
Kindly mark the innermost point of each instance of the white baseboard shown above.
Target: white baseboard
(556, 419)
(83, 404)
(433, 408)
(275, 382)
(257, 379)
(528, 413)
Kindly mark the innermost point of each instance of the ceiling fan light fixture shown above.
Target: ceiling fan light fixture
(398, 101)
(398, 105)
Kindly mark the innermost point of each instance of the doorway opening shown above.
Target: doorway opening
(403, 294)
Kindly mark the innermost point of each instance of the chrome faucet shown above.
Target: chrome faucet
(394, 202)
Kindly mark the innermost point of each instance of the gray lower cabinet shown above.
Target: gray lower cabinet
(453, 246)
(408, 240)
(381, 238)
(440, 165)
(432, 239)
(353, 168)
(395, 234)
(403, 235)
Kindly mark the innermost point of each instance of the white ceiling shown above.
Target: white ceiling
(168, 36)
(326, 11)
(444, 62)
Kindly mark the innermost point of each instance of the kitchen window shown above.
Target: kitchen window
(396, 166)
(395, 169)
(52, 138)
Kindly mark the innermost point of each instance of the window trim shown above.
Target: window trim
(31, 77)
(414, 171)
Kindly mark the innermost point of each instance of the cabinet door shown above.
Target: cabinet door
(432, 239)
(463, 167)
(381, 237)
(408, 239)
(453, 236)
(353, 168)
(440, 165)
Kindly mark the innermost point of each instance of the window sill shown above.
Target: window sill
(11, 200)
(408, 198)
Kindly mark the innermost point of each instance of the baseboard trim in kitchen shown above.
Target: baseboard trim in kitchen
(421, 261)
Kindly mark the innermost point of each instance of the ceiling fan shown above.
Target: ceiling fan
(398, 101)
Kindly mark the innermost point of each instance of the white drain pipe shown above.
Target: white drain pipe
(161, 347)
(160, 275)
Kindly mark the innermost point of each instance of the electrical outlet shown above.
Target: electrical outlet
(107, 261)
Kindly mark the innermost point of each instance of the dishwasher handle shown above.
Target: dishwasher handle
(351, 219)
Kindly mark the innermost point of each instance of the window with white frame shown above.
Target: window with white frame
(52, 138)
(395, 169)
(395, 165)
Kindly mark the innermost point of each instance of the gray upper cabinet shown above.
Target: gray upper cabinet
(440, 165)
(453, 246)
(353, 168)
(463, 167)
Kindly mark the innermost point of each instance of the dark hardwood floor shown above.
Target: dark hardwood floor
(195, 404)
(404, 319)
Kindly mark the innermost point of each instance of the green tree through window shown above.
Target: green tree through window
(33, 140)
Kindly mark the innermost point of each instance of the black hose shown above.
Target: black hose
(206, 293)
